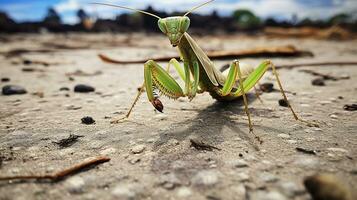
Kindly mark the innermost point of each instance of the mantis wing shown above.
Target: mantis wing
(213, 74)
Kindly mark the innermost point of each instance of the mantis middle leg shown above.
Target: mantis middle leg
(227, 88)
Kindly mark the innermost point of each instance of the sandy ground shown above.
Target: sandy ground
(165, 166)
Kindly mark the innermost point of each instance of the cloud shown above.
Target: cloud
(283, 9)
(68, 5)
(316, 9)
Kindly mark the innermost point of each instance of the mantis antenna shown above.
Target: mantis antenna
(197, 7)
(144, 12)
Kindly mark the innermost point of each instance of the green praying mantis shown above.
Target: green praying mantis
(197, 66)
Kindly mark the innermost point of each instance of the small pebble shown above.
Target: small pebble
(87, 120)
(134, 161)
(184, 192)
(243, 176)
(318, 82)
(161, 116)
(283, 103)
(292, 141)
(284, 136)
(239, 163)
(64, 89)
(28, 69)
(350, 107)
(267, 195)
(267, 87)
(73, 107)
(290, 189)
(75, 184)
(317, 129)
(5, 79)
(334, 149)
(333, 99)
(150, 140)
(81, 88)
(304, 105)
(239, 191)
(205, 178)
(268, 177)
(127, 191)
(108, 151)
(327, 186)
(27, 62)
(309, 130)
(333, 116)
(306, 161)
(138, 149)
(13, 89)
(169, 181)
(325, 102)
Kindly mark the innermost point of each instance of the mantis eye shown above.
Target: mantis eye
(185, 23)
(162, 26)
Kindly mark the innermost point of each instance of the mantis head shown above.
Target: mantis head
(173, 27)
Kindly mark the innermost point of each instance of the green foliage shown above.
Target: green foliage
(246, 19)
(52, 17)
(339, 18)
(82, 15)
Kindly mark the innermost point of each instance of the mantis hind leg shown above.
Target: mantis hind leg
(286, 99)
(256, 75)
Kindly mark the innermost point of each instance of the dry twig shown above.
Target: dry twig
(61, 174)
(202, 146)
(283, 51)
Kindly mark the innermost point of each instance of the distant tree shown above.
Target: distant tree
(82, 15)
(339, 18)
(150, 23)
(306, 22)
(246, 19)
(5, 19)
(52, 17)
(6, 23)
(215, 15)
(294, 19)
(271, 22)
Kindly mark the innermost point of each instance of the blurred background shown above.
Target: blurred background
(68, 68)
(338, 18)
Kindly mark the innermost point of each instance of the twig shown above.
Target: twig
(61, 174)
(307, 151)
(283, 51)
(290, 66)
(69, 141)
(324, 76)
(202, 146)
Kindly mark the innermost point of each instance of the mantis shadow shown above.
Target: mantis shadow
(210, 123)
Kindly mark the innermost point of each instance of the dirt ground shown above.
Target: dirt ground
(151, 156)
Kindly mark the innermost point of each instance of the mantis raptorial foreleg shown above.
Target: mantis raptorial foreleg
(179, 70)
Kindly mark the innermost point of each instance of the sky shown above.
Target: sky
(34, 10)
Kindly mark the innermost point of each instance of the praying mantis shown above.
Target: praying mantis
(197, 66)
